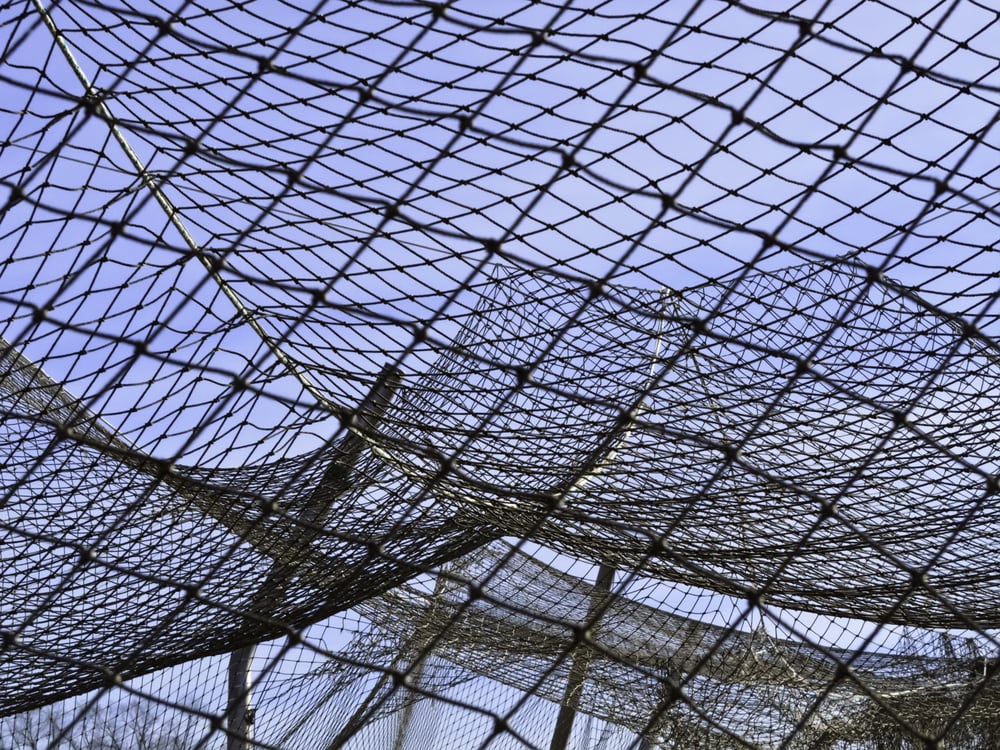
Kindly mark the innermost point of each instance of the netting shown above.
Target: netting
(512, 375)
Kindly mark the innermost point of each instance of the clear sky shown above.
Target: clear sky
(566, 152)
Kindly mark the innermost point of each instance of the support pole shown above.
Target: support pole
(422, 638)
(404, 722)
(240, 714)
(580, 663)
(363, 712)
(336, 480)
(417, 643)
(605, 574)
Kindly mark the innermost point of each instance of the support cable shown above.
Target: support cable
(211, 263)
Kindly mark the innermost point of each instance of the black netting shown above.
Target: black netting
(512, 375)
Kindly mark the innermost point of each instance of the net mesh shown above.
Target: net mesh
(513, 375)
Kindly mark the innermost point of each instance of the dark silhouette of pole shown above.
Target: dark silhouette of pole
(580, 663)
(336, 480)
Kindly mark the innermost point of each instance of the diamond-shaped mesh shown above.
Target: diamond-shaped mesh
(512, 375)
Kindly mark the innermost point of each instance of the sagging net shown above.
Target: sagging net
(511, 375)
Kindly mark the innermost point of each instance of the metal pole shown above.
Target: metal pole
(416, 643)
(240, 711)
(334, 482)
(605, 578)
(580, 663)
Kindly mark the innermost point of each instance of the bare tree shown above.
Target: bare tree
(138, 725)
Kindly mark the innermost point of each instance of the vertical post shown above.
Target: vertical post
(670, 680)
(404, 722)
(580, 663)
(239, 717)
(417, 643)
(422, 639)
(335, 481)
(605, 574)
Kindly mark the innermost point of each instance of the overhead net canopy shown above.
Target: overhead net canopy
(511, 375)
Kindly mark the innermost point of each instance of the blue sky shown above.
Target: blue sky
(572, 93)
